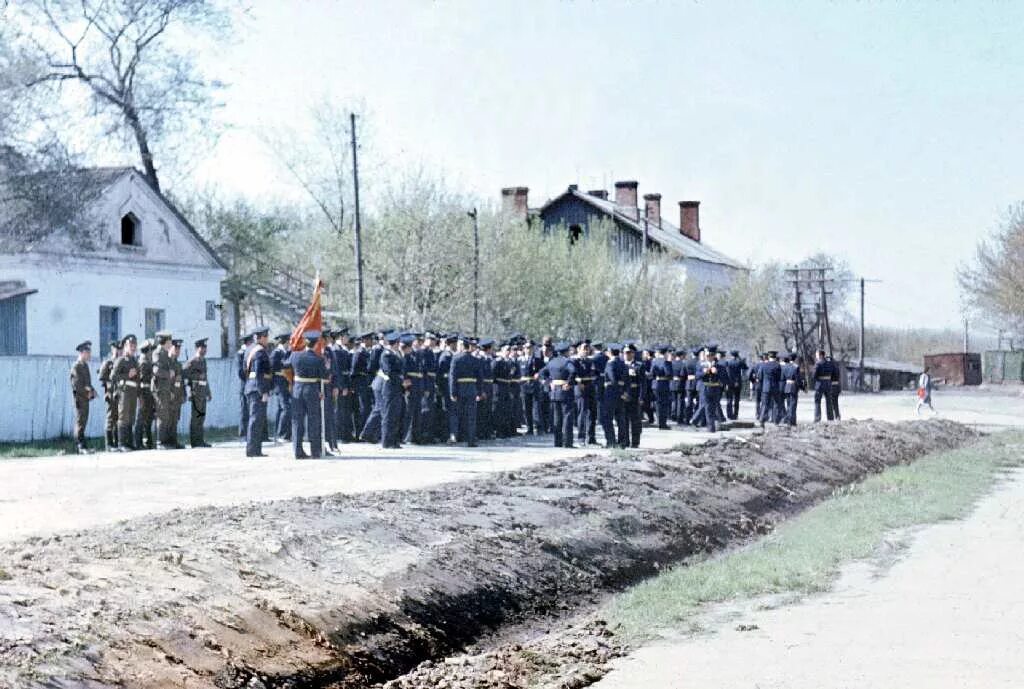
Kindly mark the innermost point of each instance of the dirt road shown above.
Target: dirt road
(947, 615)
(49, 495)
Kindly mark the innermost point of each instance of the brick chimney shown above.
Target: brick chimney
(652, 209)
(689, 219)
(514, 201)
(625, 195)
(599, 193)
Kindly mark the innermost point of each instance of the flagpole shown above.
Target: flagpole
(323, 404)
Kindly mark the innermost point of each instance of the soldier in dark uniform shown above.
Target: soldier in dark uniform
(330, 388)
(392, 389)
(164, 376)
(412, 366)
(629, 433)
(110, 393)
(528, 387)
(837, 387)
(179, 391)
(371, 430)
(648, 405)
(199, 393)
(692, 396)
(82, 393)
(344, 427)
(428, 404)
(586, 394)
(465, 380)
(661, 381)
(737, 369)
(771, 389)
(243, 419)
(503, 414)
(360, 376)
(283, 417)
(677, 386)
(448, 420)
(823, 375)
(559, 377)
(485, 408)
(712, 377)
(698, 418)
(147, 401)
(125, 378)
(791, 385)
(614, 375)
(310, 370)
(259, 381)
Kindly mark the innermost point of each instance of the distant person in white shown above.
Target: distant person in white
(924, 392)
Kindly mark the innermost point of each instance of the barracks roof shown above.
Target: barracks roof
(667, 236)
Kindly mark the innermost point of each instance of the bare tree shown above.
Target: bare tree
(119, 51)
(994, 283)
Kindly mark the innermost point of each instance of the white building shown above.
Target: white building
(146, 270)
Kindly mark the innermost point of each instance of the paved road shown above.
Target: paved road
(948, 615)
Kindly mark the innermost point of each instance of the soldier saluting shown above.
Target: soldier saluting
(198, 392)
(82, 393)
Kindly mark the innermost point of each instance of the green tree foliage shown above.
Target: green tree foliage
(994, 283)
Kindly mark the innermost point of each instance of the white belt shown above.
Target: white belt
(130, 383)
(199, 382)
(177, 385)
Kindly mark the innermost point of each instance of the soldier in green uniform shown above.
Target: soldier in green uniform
(147, 405)
(125, 378)
(163, 382)
(110, 394)
(179, 391)
(82, 393)
(198, 392)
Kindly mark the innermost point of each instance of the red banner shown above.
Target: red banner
(312, 320)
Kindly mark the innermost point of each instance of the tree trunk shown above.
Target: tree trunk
(142, 140)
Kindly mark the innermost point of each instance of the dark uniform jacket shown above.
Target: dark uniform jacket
(771, 376)
(259, 375)
(465, 376)
(560, 375)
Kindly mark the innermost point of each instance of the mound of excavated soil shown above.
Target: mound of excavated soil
(347, 591)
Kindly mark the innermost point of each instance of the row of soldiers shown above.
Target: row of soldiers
(403, 387)
(143, 385)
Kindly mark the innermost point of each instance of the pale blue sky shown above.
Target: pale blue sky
(888, 133)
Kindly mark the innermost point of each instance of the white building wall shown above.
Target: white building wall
(66, 309)
(705, 274)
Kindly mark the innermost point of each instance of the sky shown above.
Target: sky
(886, 133)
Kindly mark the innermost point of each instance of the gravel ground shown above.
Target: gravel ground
(352, 590)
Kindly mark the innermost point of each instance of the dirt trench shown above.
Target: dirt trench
(353, 591)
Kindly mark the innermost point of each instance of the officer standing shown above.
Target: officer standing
(147, 402)
(392, 389)
(82, 393)
(661, 382)
(310, 370)
(179, 391)
(528, 387)
(598, 361)
(199, 393)
(344, 411)
(677, 386)
(466, 379)
(822, 386)
(737, 369)
(259, 380)
(371, 429)
(243, 419)
(448, 420)
(110, 393)
(125, 378)
(412, 427)
(163, 381)
(691, 394)
(791, 384)
(559, 377)
(629, 433)
(771, 389)
(713, 378)
(283, 417)
(837, 387)
(586, 394)
(360, 376)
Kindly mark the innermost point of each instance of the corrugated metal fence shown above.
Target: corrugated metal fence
(1003, 366)
(35, 398)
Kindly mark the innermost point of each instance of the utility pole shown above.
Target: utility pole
(860, 342)
(967, 340)
(476, 271)
(360, 297)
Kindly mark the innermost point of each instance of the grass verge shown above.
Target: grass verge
(805, 553)
(64, 446)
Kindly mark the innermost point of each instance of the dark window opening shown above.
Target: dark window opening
(110, 327)
(130, 230)
(575, 232)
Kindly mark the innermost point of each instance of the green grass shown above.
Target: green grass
(805, 553)
(63, 446)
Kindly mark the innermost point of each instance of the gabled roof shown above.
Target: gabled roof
(78, 187)
(667, 236)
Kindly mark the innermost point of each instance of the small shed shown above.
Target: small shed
(880, 374)
(955, 368)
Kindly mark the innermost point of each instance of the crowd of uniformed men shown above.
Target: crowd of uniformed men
(422, 388)
(143, 386)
